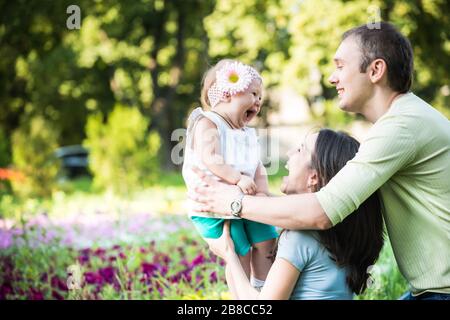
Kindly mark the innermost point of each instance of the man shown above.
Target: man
(406, 155)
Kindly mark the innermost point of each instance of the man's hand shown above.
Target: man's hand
(214, 196)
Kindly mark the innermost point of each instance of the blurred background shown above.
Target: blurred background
(90, 96)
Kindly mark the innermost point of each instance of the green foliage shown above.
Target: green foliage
(293, 42)
(122, 154)
(386, 280)
(152, 53)
(5, 158)
(33, 146)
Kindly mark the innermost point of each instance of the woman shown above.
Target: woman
(328, 264)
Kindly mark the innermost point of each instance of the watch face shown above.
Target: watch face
(235, 206)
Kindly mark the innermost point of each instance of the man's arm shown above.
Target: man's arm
(285, 212)
(295, 212)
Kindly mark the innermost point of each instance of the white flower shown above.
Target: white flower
(234, 77)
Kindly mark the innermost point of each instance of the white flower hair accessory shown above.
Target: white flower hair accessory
(232, 78)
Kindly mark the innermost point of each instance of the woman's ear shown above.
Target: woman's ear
(313, 180)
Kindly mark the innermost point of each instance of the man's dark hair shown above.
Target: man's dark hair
(389, 44)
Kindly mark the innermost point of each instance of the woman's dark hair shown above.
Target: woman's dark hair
(356, 242)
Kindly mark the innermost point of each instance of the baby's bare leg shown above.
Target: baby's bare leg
(261, 261)
(245, 262)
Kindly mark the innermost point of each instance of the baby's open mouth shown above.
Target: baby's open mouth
(250, 113)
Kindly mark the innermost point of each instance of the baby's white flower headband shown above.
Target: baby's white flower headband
(232, 78)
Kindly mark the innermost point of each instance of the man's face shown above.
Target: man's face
(354, 88)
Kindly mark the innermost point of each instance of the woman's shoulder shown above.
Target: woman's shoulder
(304, 237)
(300, 248)
(300, 241)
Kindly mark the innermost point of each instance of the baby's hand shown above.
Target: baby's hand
(247, 185)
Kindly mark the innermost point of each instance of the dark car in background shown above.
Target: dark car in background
(74, 160)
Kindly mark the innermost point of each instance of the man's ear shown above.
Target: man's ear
(377, 70)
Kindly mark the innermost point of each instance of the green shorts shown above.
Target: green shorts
(243, 232)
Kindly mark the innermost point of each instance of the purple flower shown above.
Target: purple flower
(57, 296)
(36, 294)
(184, 262)
(186, 276)
(92, 278)
(175, 278)
(99, 252)
(160, 290)
(212, 257)
(86, 252)
(200, 259)
(213, 277)
(56, 282)
(122, 255)
(107, 274)
(150, 268)
(83, 259)
(44, 277)
(5, 289)
(5, 239)
(166, 259)
(164, 270)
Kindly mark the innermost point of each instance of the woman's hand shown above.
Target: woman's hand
(214, 196)
(223, 246)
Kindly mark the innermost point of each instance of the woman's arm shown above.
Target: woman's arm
(280, 281)
(262, 184)
(279, 284)
(294, 212)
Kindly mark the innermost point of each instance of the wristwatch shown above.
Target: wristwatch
(236, 206)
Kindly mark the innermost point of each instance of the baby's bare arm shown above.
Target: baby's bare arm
(207, 147)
